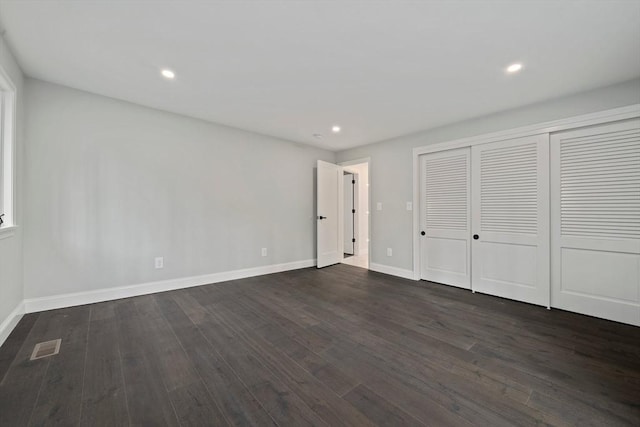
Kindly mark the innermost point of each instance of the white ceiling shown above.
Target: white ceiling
(290, 69)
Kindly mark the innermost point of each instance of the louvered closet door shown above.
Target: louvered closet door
(510, 217)
(595, 185)
(445, 217)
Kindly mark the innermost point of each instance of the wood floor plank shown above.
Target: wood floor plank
(402, 388)
(148, 401)
(282, 337)
(14, 342)
(451, 390)
(624, 393)
(195, 407)
(433, 354)
(474, 410)
(378, 409)
(329, 374)
(60, 397)
(411, 399)
(104, 401)
(174, 365)
(236, 402)
(585, 415)
(279, 401)
(321, 399)
(334, 346)
(355, 325)
(314, 340)
(21, 386)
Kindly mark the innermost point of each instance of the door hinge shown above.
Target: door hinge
(353, 181)
(353, 240)
(353, 211)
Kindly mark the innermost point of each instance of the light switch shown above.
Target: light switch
(409, 206)
(379, 206)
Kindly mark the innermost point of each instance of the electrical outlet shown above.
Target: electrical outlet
(409, 206)
(159, 262)
(264, 251)
(389, 252)
(379, 206)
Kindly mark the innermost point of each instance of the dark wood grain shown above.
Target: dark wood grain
(315, 394)
(237, 403)
(104, 396)
(14, 342)
(147, 397)
(195, 407)
(379, 409)
(60, 396)
(336, 346)
(282, 404)
(21, 389)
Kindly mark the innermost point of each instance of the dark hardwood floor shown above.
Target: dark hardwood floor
(337, 346)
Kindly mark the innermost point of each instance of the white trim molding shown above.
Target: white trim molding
(615, 114)
(99, 295)
(355, 161)
(393, 271)
(10, 322)
(6, 232)
(8, 138)
(591, 119)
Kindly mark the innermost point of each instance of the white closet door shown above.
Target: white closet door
(595, 185)
(510, 220)
(445, 217)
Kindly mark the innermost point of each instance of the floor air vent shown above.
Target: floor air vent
(46, 349)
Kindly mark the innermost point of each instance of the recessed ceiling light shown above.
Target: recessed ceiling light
(168, 74)
(514, 68)
(335, 129)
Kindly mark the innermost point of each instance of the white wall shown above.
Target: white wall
(111, 185)
(11, 289)
(391, 170)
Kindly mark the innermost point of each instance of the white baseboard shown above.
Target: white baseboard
(393, 271)
(89, 297)
(10, 322)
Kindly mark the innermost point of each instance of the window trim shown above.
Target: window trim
(8, 154)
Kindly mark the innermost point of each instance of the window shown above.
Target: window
(7, 155)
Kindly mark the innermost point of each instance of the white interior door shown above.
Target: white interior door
(595, 187)
(445, 217)
(329, 216)
(510, 219)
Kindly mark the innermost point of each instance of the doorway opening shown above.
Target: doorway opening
(356, 213)
(350, 223)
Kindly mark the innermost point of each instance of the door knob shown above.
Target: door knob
(476, 237)
(322, 217)
(422, 233)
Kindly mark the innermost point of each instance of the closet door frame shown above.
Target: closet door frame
(622, 113)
